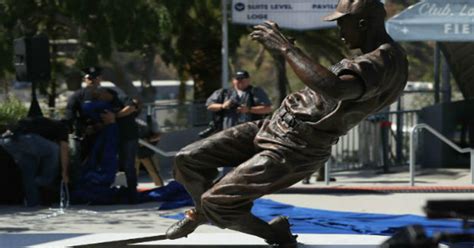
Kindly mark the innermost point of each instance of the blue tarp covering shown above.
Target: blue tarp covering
(171, 196)
(307, 220)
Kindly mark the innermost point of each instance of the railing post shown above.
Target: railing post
(472, 166)
(412, 156)
(327, 174)
(399, 134)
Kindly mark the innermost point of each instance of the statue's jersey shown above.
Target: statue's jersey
(309, 118)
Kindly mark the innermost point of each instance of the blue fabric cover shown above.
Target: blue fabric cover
(172, 196)
(307, 220)
(99, 169)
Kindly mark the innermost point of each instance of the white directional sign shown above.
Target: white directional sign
(292, 14)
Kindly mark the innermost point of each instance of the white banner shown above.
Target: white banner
(292, 14)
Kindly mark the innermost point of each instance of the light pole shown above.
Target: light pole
(225, 46)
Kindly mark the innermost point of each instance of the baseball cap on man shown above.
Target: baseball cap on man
(355, 7)
(241, 74)
(92, 71)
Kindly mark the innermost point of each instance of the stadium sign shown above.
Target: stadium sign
(291, 14)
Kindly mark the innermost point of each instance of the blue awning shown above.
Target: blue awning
(436, 20)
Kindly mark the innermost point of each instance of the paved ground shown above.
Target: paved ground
(144, 219)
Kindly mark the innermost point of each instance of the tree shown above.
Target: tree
(323, 46)
(103, 29)
(194, 45)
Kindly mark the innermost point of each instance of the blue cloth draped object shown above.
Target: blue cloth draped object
(307, 220)
(101, 165)
(172, 196)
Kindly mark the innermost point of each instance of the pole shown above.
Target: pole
(446, 75)
(412, 157)
(399, 148)
(437, 60)
(327, 172)
(384, 134)
(35, 110)
(225, 45)
(472, 167)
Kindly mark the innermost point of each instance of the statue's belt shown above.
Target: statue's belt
(289, 119)
(293, 122)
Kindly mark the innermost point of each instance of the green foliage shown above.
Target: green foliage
(420, 60)
(11, 110)
(100, 27)
(194, 46)
(187, 34)
(324, 46)
(5, 47)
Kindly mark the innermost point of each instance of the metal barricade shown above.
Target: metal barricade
(172, 116)
(361, 146)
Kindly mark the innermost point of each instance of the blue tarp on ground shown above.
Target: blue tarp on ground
(172, 195)
(307, 220)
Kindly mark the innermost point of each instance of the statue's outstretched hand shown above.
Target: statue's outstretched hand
(269, 35)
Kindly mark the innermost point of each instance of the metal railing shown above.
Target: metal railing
(173, 116)
(442, 138)
(353, 152)
(156, 149)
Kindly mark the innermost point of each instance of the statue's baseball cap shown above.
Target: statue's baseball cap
(363, 8)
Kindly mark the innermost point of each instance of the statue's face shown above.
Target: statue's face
(241, 84)
(351, 32)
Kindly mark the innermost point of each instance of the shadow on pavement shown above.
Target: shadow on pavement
(134, 242)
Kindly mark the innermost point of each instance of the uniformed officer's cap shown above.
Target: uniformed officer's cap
(241, 74)
(92, 72)
(362, 8)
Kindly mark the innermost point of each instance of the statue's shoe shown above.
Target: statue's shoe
(285, 239)
(186, 225)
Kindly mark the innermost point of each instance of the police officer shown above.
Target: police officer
(240, 104)
(75, 116)
(124, 115)
(80, 124)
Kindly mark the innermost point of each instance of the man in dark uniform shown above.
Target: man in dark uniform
(240, 104)
(271, 155)
(124, 114)
(75, 116)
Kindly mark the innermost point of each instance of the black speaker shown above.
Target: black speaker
(32, 58)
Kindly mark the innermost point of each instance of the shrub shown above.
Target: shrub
(11, 110)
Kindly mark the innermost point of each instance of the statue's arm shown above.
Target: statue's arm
(314, 75)
(321, 79)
